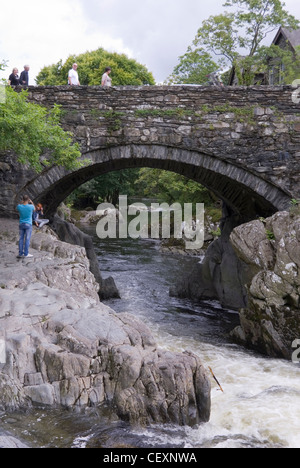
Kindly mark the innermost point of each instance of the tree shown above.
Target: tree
(2, 65)
(105, 188)
(285, 63)
(193, 67)
(91, 66)
(237, 37)
(171, 187)
(34, 133)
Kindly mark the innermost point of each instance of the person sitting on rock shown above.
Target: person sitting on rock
(39, 211)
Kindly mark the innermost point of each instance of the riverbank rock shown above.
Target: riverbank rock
(220, 275)
(71, 234)
(270, 250)
(66, 349)
(54, 263)
(9, 442)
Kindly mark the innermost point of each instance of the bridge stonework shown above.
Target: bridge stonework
(242, 143)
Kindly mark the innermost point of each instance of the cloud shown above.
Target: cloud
(158, 31)
(42, 33)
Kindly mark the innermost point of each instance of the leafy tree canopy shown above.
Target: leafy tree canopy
(2, 65)
(91, 66)
(165, 186)
(193, 67)
(236, 37)
(105, 188)
(34, 133)
(171, 187)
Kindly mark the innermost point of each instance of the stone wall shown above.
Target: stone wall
(242, 143)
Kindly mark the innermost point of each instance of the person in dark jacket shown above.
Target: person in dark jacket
(24, 78)
(14, 79)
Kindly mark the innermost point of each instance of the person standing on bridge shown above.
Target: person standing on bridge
(14, 79)
(24, 78)
(106, 79)
(73, 77)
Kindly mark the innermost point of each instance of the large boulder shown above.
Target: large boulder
(71, 234)
(270, 250)
(63, 347)
(67, 350)
(54, 263)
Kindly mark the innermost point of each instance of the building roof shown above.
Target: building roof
(291, 35)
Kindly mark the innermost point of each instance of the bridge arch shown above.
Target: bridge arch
(244, 192)
(242, 142)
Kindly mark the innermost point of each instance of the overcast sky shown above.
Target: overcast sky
(154, 32)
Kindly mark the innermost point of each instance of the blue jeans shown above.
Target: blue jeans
(25, 236)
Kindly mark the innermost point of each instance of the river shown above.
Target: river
(260, 406)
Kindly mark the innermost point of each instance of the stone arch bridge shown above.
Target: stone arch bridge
(241, 143)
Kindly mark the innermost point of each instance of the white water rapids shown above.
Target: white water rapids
(260, 406)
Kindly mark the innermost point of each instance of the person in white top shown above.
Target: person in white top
(106, 79)
(73, 76)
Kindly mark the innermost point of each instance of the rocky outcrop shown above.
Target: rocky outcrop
(69, 233)
(221, 276)
(270, 250)
(9, 442)
(65, 348)
(55, 264)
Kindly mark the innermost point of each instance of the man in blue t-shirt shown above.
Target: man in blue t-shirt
(25, 210)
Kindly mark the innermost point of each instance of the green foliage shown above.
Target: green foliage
(193, 67)
(237, 38)
(270, 235)
(105, 188)
(3, 65)
(149, 183)
(114, 120)
(170, 187)
(30, 130)
(217, 233)
(295, 202)
(218, 34)
(91, 66)
(178, 112)
(285, 63)
(295, 207)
